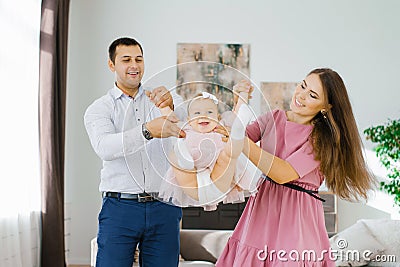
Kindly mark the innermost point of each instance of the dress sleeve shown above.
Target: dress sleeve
(264, 123)
(302, 160)
(253, 131)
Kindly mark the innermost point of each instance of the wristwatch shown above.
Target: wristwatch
(146, 133)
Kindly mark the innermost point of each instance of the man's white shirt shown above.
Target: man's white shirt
(131, 164)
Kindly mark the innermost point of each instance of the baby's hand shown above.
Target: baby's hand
(161, 97)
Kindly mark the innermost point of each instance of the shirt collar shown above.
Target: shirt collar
(117, 93)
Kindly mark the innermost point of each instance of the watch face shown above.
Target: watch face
(148, 135)
(146, 132)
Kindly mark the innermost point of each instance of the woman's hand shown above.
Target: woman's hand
(224, 131)
(244, 86)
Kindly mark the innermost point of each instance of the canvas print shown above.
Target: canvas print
(276, 95)
(214, 68)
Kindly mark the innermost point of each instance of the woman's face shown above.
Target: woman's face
(308, 98)
(203, 115)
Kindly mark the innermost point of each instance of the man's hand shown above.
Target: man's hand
(161, 97)
(162, 127)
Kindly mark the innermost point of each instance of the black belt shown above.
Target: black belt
(141, 197)
(297, 187)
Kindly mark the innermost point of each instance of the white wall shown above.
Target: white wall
(359, 38)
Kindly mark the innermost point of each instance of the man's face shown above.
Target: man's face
(128, 67)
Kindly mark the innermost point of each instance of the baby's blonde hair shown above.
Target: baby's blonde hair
(197, 97)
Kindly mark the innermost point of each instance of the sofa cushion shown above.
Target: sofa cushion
(205, 245)
(387, 232)
(358, 239)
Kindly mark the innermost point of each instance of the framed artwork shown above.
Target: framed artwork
(214, 68)
(276, 95)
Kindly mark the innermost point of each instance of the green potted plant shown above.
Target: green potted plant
(387, 138)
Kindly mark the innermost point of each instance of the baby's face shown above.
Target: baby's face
(203, 115)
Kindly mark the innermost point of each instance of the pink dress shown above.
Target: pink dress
(205, 149)
(278, 217)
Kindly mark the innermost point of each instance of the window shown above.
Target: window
(19, 140)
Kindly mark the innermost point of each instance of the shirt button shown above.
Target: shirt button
(138, 119)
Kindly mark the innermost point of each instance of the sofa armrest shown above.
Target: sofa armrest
(205, 245)
(93, 251)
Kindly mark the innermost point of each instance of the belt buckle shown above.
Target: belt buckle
(144, 197)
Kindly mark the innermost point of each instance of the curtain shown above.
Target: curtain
(19, 141)
(52, 103)
(20, 240)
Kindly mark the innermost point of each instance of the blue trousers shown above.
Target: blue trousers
(124, 224)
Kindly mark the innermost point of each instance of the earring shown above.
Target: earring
(323, 112)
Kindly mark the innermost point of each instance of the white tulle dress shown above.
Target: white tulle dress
(204, 149)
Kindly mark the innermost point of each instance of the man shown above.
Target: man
(125, 128)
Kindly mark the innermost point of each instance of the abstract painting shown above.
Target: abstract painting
(214, 68)
(276, 95)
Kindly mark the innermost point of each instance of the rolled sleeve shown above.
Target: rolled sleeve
(253, 131)
(107, 143)
(303, 160)
(263, 124)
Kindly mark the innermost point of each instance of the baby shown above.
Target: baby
(206, 170)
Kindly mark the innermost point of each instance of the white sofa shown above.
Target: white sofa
(201, 248)
(379, 239)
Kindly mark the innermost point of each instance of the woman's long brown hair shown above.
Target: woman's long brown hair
(337, 143)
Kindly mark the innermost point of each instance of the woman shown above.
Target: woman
(316, 140)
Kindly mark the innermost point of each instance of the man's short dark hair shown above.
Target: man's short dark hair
(122, 41)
